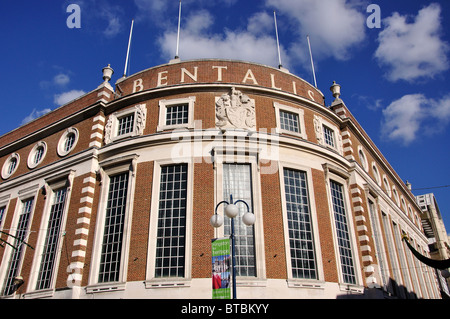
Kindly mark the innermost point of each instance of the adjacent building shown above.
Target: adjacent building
(111, 195)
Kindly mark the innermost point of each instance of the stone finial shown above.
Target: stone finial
(336, 90)
(107, 73)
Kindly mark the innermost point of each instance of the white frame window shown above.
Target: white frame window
(112, 174)
(37, 155)
(237, 182)
(160, 213)
(48, 248)
(376, 173)
(233, 155)
(329, 137)
(323, 129)
(398, 289)
(134, 125)
(10, 166)
(341, 219)
(343, 229)
(68, 141)
(380, 250)
(183, 120)
(23, 215)
(309, 235)
(299, 120)
(363, 158)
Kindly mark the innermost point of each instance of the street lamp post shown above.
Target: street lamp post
(231, 210)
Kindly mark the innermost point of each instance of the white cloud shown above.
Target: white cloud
(66, 97)
(335, 27)
(61, 79)
(242, 44)
(34, 115)
(413, 50)
(412, 114)
(112, 15)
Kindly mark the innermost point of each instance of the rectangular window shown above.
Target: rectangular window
(237, 181)
(51, 240)
(378, 245)
(16, 254)
(328, 134)
(301, 242)
(289, 121)
(125, 125)
(177, 114)
(171, 230)
(396, 283)
(343, 234)
(110, 261)
(403, 265)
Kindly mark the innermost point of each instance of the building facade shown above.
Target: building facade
(111, 195)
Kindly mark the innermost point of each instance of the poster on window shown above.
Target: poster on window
(221, 268)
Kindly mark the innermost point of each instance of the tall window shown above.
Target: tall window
(177, 114)
(2, 213)
(378, 245)
(16, 255)
(403, 264)
(171, 231)
(328, 135)
(237, 181)
(52, 240)
(342, 232)
(396, 283)
(110, 261)
(125, 124)
(301, 242)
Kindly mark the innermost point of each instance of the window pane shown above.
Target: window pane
(328, 135)
(343, 235)
(126, 124)
(301, 241)
(177, 114)
(113, 234)
(171, 232)
(289, 121)
(237, 181)
(12, 166)
(68, 143)
(38, 155)
(2, 213)
(51, 240)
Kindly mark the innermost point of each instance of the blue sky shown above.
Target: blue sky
(394, 78)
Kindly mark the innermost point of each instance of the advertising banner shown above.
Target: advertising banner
(221, 268)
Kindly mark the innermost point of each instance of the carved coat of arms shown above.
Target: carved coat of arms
(235, 110)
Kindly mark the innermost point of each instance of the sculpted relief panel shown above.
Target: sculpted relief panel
(235, 111)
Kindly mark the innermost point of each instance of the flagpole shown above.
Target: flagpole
(278, 42)
(178, 34)
(128, 51)
(312, 62)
